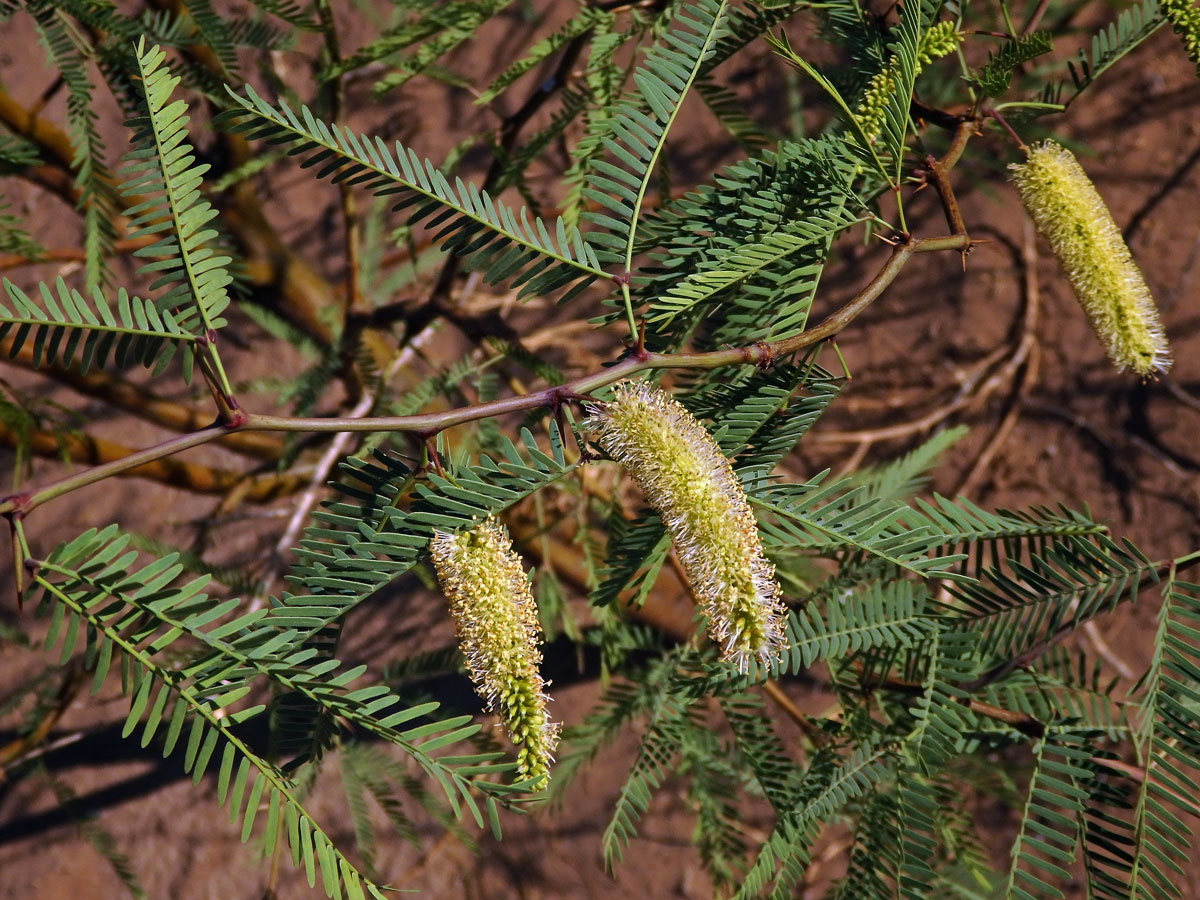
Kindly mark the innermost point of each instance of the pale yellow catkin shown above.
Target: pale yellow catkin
(686, 479)
(498, 631)
(1072, 217)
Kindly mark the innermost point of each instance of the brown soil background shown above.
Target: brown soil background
(1080, 434)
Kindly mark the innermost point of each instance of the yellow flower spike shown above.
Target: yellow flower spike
(1072, 217)
(498, 632)
(687, 480)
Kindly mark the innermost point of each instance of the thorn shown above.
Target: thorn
(432, 454)
(557, 399)
(639, 349)
(18, 562)
(556, 407)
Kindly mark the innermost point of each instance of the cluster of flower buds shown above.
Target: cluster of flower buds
(498, 631)
(1072, 217)
(938, 41)
(689, 482)
(1184, 17)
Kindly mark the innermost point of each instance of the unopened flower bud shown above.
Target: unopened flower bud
(498, 632)
(1184, 17)
(941, 39)
(688, 481)
(1072, 217)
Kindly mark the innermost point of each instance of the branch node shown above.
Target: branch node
(761, 354)
(557, 396)
(16, 504)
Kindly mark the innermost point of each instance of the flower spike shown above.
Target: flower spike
(684, 476)
(498, 632)
(1072, 217)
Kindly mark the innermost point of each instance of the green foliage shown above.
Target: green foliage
(505, 246)
(879, 616)
(96, 196)
(827, 520)
(635, 132)
(13, 238)
(747, 251)
(905, 476)
(1048, 839)
(131, 617)
(994, 77)
(186, 260)
(1115, 41)
(1071, 580)
(932, 633)
(830, 783)
(748, 262)
(88, 587)
(163, 164)
(435, 30)
(66, 328)
(1167, 745)
(658, 748)
(575, 27)
(17, 153)
(729, 110)
(340, 555)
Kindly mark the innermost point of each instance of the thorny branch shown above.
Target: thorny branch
(431, 423)
(235, 421)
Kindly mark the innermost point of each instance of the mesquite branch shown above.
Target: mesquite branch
(234, 420)
(426, 424)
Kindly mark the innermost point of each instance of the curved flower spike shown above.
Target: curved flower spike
(498, 632)
(689, 482)
(1071, 215)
